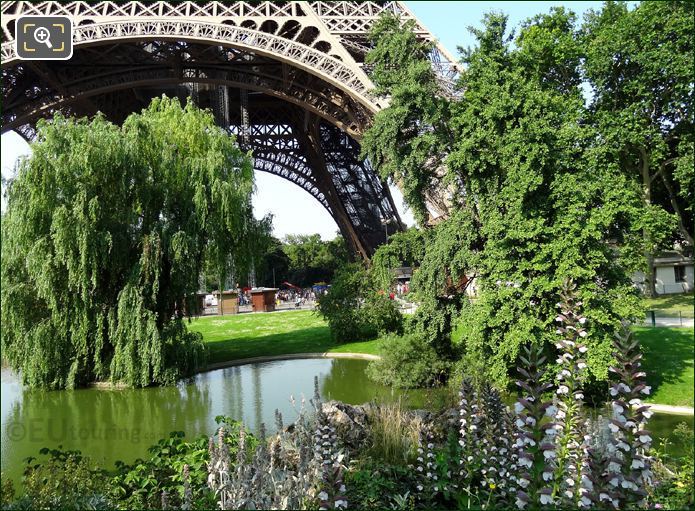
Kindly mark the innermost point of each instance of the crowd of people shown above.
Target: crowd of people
(297, 296)
(402, 288)
(303, 296)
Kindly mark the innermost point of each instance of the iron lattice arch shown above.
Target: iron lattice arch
(287, 78)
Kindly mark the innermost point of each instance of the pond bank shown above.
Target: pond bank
(676, 410)
(289, 356)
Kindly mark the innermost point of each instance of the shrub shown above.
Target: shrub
(676, 488)
(6, 490)
(380, 315)
(66, 480)
(355, 310)
(373, 484)
(142, 483)
(408, 362)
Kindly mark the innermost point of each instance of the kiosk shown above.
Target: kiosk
(263, 299)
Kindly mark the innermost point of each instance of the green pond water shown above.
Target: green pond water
(111, 425)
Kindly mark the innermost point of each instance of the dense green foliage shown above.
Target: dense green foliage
(312, 260)
(355, 310)
(639, 63)
(139, 485)
(104, 237)
(408, 139)
(407, 361)
(406, 248)
(65, 480)
(677, 473)
(69, 480)
(377, 485)
(533, 192)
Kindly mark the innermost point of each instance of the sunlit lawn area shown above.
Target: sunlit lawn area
(668, 362)
(668, 352)
(277, 333)
(671, 304)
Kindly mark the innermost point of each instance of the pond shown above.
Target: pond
(120, 424)
(110, 425)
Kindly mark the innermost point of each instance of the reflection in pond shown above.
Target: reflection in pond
(110, 425)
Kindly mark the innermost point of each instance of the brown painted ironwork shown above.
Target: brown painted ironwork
(287, 78)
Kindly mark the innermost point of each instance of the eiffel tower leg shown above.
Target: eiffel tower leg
(310, 139)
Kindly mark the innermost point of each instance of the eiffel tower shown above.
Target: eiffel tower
(287, 78)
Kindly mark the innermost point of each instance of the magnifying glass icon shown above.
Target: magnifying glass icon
(43, 36)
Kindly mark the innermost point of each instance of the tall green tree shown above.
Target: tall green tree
(313, 260)
(640, 65)
(409, 140)
(104, 236)
(530, 200)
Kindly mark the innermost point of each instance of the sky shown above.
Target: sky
(294, 210)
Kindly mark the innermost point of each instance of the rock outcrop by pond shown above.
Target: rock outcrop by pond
(352, 422)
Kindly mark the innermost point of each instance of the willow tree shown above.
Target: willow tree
(104, 236)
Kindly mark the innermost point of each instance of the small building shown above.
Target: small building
(263, 299)
(673, 272)
(403, 273)
(228, 302)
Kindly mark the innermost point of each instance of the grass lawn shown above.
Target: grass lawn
(668, 352)
(671, 304)
(277, 333)
(668, 362)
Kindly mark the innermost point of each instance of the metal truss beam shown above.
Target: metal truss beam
(287, 78)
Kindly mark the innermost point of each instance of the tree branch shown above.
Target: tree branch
(679, 213)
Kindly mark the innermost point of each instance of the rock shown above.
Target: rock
(350, 422)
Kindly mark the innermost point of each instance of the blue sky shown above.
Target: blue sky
(449, 21)
(295, 211)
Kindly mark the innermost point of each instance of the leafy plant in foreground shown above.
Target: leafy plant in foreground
(675, 488)
(65, 480)
(629, 467)
(302, 467)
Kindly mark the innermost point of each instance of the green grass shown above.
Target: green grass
(668, 352)
(672, 304)
(668, 362)
(278, 333)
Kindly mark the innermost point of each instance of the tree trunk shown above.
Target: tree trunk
(650, 273)
(676, 208)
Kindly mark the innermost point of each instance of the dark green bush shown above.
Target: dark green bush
(676, 488)
(66, 480)
(374, 484)
(6, 490)
(355, 310)
(408, 361)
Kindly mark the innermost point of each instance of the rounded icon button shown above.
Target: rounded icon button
(43, 36)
